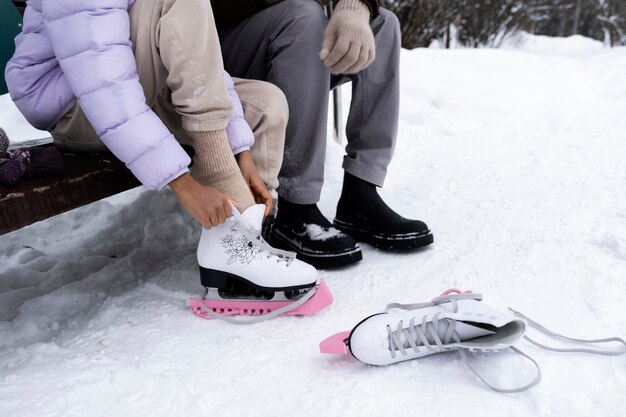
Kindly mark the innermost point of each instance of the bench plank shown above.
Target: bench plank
(87, 178)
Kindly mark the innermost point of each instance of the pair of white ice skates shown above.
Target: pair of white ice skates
(243, 275)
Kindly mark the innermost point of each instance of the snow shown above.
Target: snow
(514, 157)
(317, 232)
(16, 127)
(547, 46)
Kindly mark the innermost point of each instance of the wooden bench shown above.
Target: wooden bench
(87, 178)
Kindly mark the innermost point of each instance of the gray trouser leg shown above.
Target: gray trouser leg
(281, 45)
(372, 125)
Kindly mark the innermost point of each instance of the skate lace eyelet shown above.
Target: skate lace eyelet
(256, 240)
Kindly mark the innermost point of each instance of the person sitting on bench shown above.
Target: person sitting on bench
(140, 77)
(292, 44)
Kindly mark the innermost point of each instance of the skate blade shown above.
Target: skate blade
(337, 343)
(322, 299)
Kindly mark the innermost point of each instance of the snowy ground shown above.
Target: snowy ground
(515, 157)
(16, 127)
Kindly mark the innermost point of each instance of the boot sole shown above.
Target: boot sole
(393, 243)
(318, 260)
(222, 280)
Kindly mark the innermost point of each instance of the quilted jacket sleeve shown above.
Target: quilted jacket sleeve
(91, 40)
(240, 135)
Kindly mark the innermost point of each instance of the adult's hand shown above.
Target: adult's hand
(205, 204)
(348, 45)
(254, 181)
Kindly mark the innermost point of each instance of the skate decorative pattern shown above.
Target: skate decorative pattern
(239, 248)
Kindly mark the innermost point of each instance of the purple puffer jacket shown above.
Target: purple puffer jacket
(81, 49)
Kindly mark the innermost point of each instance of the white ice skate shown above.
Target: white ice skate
(453, 321)
(243, 275)
(449, 322)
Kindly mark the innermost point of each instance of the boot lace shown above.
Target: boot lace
(254, 237)
(415, 335)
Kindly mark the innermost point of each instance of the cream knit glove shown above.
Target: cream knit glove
(348, 45)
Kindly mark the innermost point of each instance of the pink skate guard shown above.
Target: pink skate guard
(335, 343)
(319, 301)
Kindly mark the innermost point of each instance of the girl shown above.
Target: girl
(139, 77)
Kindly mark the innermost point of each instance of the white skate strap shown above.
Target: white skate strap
(532, 383)
(264, 317)
(451, 298)
(557, 336)
(554, 335)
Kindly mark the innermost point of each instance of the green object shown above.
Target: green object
(10, 26)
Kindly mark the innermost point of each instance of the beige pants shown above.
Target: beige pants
(180, 68)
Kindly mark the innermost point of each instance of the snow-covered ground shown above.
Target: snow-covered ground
(515, 157)
(16, 127)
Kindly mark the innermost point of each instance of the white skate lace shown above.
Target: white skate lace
(254, 236)
(416, 333)
(554, 335)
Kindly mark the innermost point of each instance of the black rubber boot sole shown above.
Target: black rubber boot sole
(233, 286)
(388, 242)
(326, 260)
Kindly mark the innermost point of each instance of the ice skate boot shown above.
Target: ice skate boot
(453, 321)
(243, 275)
(450, 321)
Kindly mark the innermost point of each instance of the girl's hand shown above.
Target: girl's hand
(205, 204)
